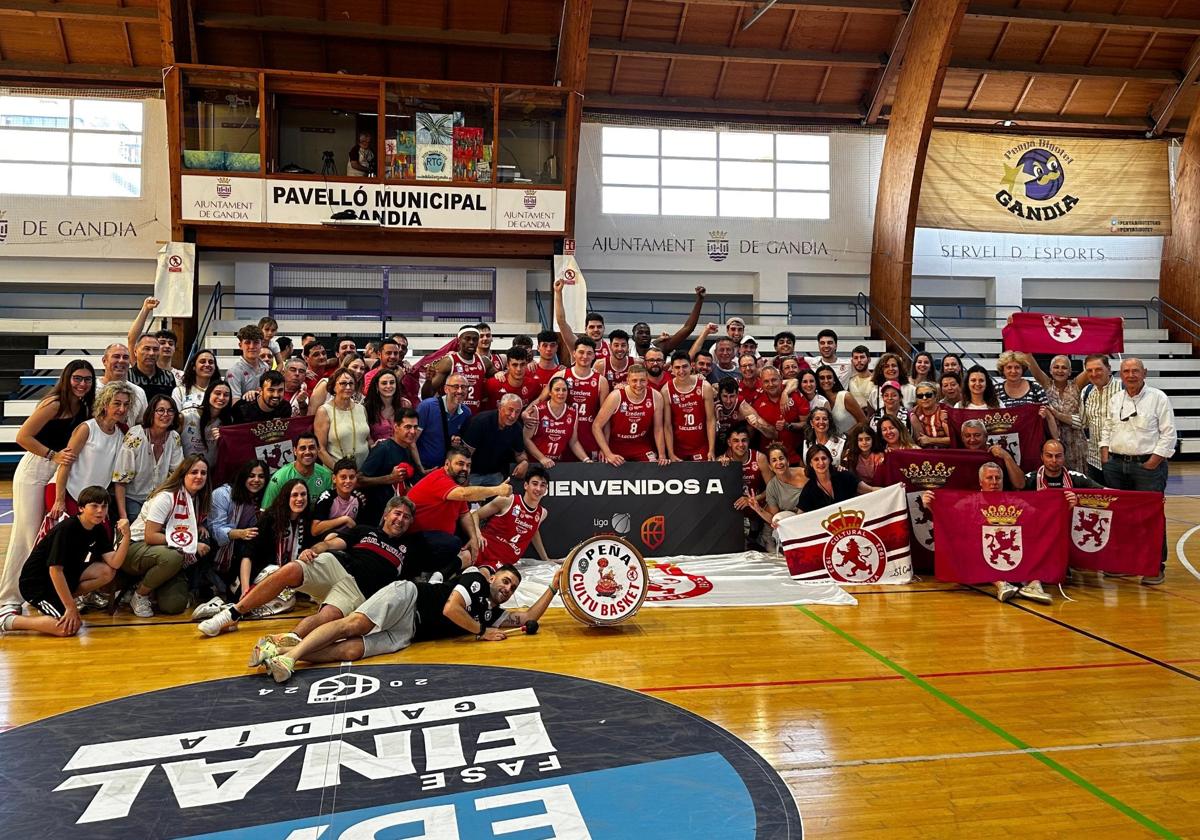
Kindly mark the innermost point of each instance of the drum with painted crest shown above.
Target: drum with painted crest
(603, 581)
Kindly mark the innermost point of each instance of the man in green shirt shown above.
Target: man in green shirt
(316, 477)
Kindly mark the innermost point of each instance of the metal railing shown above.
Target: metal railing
(963, 312)
(1173, 315)
(210, 310)
(896, 336)
(1098, 310)
(541, 309)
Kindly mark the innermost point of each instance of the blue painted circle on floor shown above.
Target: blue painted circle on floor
(390, 752)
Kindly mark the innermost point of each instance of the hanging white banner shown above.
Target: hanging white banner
(574, 290)
(746, 579)
(174, 279)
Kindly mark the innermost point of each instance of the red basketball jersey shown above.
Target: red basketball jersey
(616, 377)
(631, 428)
(497, 386)
(508, 534)
(585, 397)
(540, 377)
(474, 372)
(752, 477)
(688, 421)
(553, 434)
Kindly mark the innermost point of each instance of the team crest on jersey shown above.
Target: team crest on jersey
(668, 582)
(1062, 330)
(1091, 523)
(1002, 546)
(853, 554)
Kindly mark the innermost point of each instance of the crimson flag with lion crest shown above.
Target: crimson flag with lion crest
(1034, 332)
(861, 540)
(1020, 429)
(930, 469)
(1117, 531)
(1015, 537)
(270, 440)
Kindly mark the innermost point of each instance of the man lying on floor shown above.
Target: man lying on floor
(403, 612)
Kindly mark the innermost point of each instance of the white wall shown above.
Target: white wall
(636, 254)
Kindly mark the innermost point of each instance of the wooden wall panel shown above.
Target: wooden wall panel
(817, 31)
(30, 39)
(746, 81)
(600, 70)
(797, 83)
(414, 60)
(95, 42)
(847, 86)
(693, 78)
(526, 67)
(146, 45)
(869, 33)
(708, 24)
(533, 17)
(642, 76)
(646, 21)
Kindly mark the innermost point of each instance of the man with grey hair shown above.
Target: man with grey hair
(1137, 439)
(496, 443)
(973, 435)
(116, 361)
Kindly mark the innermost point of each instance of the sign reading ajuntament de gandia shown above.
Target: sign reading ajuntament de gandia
(1045, 185)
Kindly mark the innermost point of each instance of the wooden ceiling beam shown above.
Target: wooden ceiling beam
(740, 107)
(1023, 120)
(1127, 23)
(713, 52)
(86, 72)
(1162, 110)
(367, 31)
(864, 7)
(874, 99)
(78, 11)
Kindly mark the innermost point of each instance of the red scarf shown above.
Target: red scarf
(1041, 479)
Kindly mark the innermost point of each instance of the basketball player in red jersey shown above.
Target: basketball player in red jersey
(779, 416)
(465, 361)
(754, 471)
(616, 367)
(690, 430)
(593, 326)
(514, 380)
(589, 390)
(546, 366)
(513, 523)
(557, 426)
(485, 347)
(629, 425)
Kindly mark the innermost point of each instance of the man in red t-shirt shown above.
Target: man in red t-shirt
(442, 504)
(780, 417)
(514, 380)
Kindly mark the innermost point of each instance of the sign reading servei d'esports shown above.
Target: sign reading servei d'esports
(390, 751)
(208, 198)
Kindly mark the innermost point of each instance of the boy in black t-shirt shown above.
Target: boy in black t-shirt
(403, 612)
(340, 508)
(58, 568)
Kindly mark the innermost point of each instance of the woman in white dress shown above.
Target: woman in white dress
(341, 424)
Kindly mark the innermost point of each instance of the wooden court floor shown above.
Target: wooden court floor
(925, 711)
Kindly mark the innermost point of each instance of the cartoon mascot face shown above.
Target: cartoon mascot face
(1045, 174)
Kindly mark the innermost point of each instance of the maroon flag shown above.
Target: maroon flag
(1016, 537)
(1020, 429)
(1118, 531)
(1034, 332)
(929, 469)
(270, 440)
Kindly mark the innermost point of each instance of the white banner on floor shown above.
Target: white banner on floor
(748, 579)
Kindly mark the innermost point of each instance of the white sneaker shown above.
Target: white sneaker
(141, 606)
(208, 609)
(219, 623)
(281, 668)
(1034, 592)
(1005, 591)
(8, 615)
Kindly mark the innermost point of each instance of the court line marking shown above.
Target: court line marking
(1102, 640)
(1032, 752)
(1086, 666)
(914, 759)
(1179, 555)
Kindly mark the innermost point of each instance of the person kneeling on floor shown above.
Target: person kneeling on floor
(404, 612)
(57, 570)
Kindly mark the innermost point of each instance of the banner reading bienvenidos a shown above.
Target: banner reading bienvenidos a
(1045, 185)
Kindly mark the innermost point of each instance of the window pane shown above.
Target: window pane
(629, 141)
(123, 181)
(106, 148)
(639, 201)
(747, 146)
(689, 173)
(689, 143)
(37, 146)
(802, 205)
(33, 179)
(747, 204)
(801, 147)
(108, 115)
(34, 111)
(751, 175)
(689, 203)
(802, 176)
(619, 170)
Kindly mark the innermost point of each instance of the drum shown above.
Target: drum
(603, 581)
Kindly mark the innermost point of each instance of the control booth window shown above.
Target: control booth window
(70, 146)
(732, 174)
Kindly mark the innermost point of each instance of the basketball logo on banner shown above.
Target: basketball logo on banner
(603, 581)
